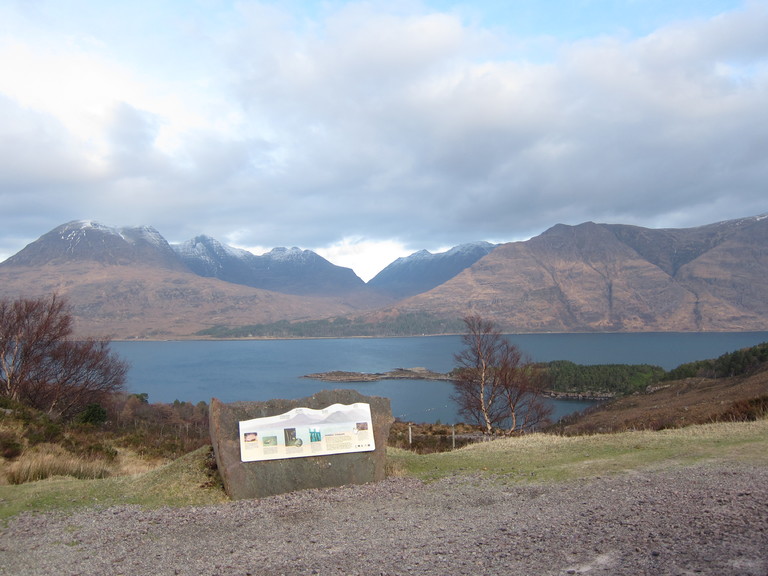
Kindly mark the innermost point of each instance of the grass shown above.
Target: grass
(552, 458)
(50, 460)
(532, 458)
(184, 482)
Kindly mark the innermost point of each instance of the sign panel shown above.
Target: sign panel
(301, 432)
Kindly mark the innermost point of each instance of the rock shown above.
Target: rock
(266, 478)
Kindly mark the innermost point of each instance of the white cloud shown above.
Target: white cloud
(366, 257)
(362, 129)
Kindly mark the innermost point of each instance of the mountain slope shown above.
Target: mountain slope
(422, 271)
(287, 270)
(85, 240)
(130, 283)
(128, 302)
(616, 278)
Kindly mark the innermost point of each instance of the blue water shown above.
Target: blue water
(265, 369)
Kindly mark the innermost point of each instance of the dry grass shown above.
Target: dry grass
(188, 481)
(129, 463)
(50, 460)
(550, 457)
(679, 404)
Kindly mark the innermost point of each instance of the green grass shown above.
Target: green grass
(531, 458)
(184, 482)
(549, 458)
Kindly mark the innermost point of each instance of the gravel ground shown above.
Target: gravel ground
(703, 520)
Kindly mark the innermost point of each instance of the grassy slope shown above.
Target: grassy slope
(544, 457)
(533, 458)
(183, 482)
(677, 404)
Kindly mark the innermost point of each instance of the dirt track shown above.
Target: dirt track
(703, 520)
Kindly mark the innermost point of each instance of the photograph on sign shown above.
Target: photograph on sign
(301, 432)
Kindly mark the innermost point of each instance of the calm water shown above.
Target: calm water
(265, 369)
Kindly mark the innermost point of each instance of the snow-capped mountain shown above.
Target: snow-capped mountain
(422, 270)
(86, 240)
(287, 270)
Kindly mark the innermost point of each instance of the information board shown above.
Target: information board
(301, 432)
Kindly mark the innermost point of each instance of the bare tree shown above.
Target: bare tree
(42, 367)
(475, 384)
(494, 384)
(522, 385)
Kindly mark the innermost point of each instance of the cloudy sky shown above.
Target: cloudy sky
(369, 130)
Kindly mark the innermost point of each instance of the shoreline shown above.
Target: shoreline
(426, 374)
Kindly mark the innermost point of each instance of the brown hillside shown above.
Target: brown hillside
(588, 278)
(677, 404)
(126, 302)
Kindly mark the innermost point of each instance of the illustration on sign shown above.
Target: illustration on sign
(337, 429)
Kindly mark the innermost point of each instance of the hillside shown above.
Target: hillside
(423, 271)
(284, 270)
(127, 302)
(130, 283)
(599, 277)
(679, 403)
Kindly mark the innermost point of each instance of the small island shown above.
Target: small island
(396, 374)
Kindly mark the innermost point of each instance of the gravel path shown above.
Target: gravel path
(703, 520)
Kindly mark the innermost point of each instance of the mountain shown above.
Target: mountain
(603, 277)
(423, 271)
(286, 270)
(85, 240)
(130, 283)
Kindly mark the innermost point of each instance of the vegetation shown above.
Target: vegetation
(41, 367)
(740, 362)
(530, 458)
(134, 436)
(410, 324)
(548, 457)
(601, 379)
(188, 481)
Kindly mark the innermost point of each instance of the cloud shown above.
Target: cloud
(364, 126)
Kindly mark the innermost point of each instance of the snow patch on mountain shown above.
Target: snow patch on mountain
(207, 248)
(282, 254)
(73, 232)
(462, 249)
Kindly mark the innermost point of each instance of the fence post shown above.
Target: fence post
(410, 434)
(453, 436)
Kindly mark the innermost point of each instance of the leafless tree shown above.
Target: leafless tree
(476, 388)
(495, 385)
(41, 366)
(522, 385)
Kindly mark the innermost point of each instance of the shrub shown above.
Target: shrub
(746, 410)
(94, 414)
(43, 429)
(10, 446)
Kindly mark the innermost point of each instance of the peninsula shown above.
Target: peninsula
(396, 374)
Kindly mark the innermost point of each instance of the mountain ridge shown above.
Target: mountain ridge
(585, 278)
(130, 282)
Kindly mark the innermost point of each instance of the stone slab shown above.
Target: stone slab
(266, 478)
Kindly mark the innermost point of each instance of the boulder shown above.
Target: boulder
(269, 477)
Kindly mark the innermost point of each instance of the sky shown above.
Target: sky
(366, 131)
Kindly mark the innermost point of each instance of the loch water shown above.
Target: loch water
(233, 370)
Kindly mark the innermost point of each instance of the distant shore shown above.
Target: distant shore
(426, 374)
(396, 374)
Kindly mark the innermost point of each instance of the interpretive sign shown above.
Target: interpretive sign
(332, 438)
(302, 432)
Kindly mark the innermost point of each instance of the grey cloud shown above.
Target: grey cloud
(419, 128)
